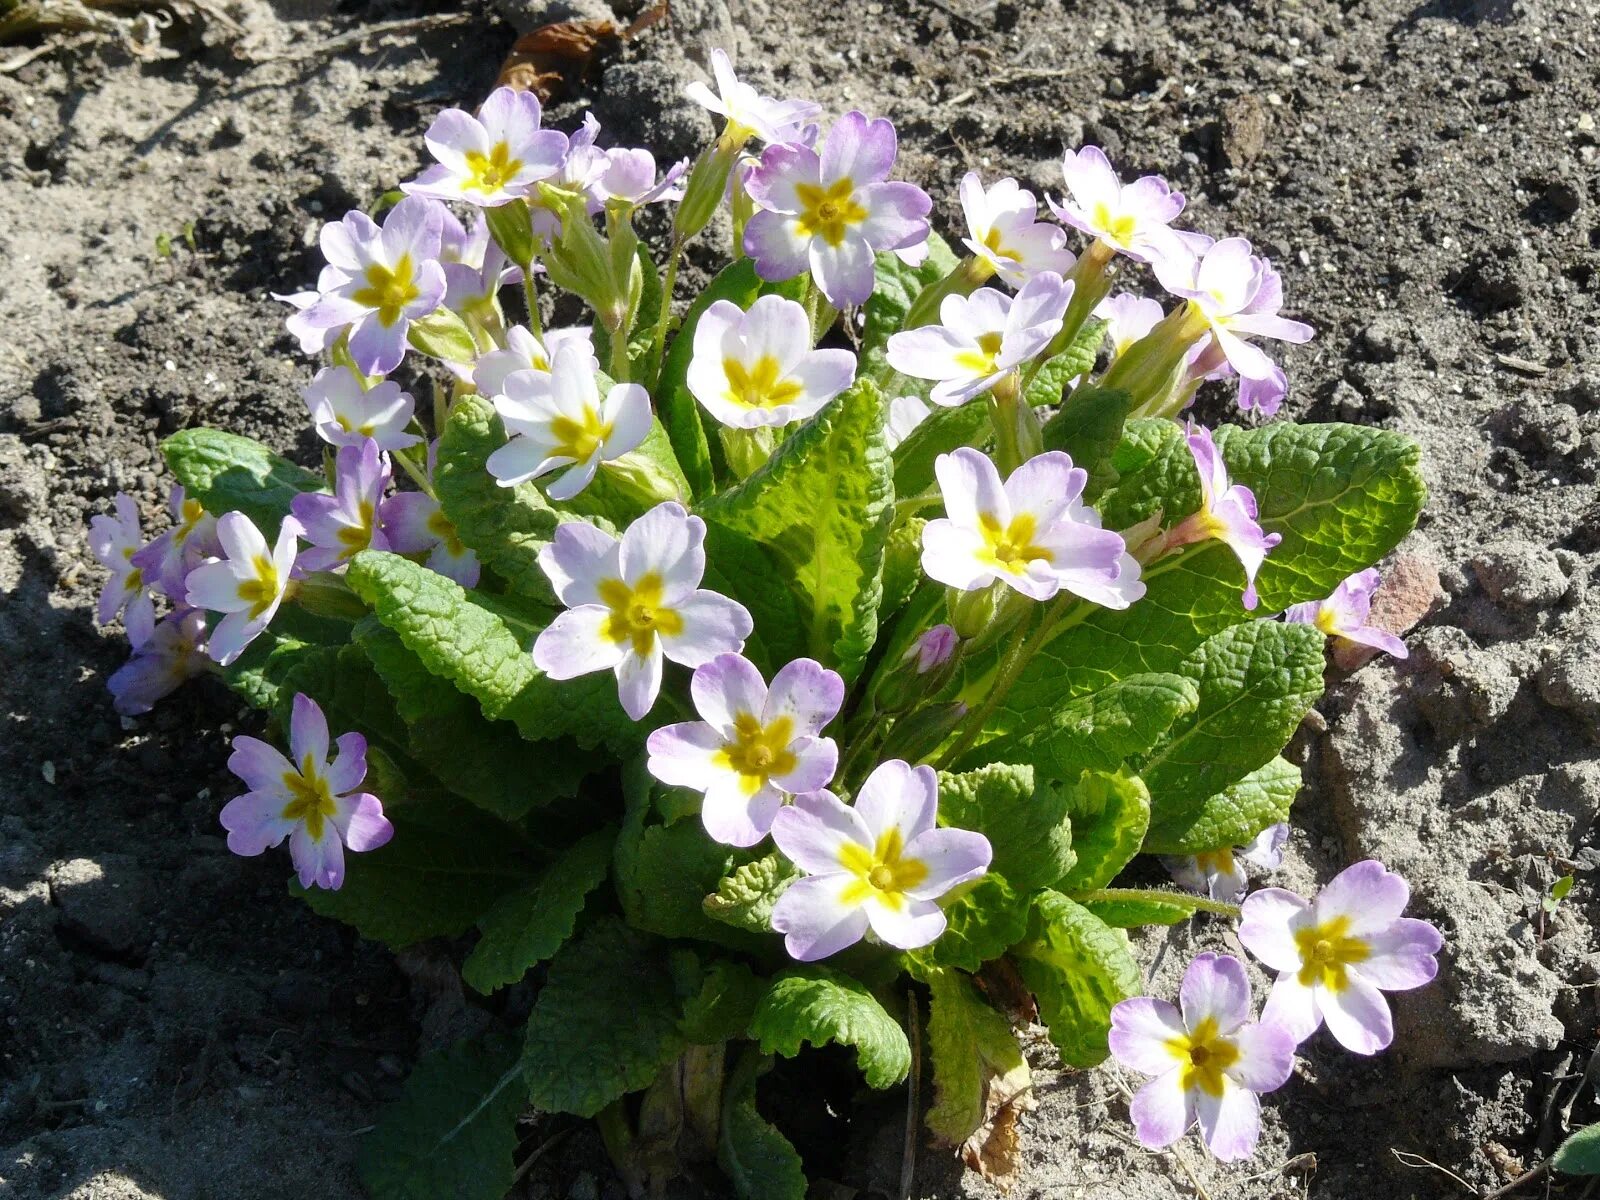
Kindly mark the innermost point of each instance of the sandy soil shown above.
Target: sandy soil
(174, 1025)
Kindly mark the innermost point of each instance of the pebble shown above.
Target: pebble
(1571, 681)
(1520, 575)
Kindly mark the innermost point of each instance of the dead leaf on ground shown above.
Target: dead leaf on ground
(994, 1149)
(548, 59)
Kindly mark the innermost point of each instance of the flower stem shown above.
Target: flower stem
(530, 292)
(669, 281)
(418, 475)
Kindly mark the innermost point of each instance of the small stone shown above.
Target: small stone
(1410, 591)
(1520, 575)
(102, 904)
(1571, 681)
(1243, 131)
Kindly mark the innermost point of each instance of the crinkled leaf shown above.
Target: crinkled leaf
(819, 1005)
(257, 675)
(1027, 825)
(530, 924)
(1341, 496)
(605, 1023)
(744, 899)
(984, 922)
(722, 1007)
(1233, 816)
(743, 569)
(902, 566)
(1100, 731)
(446, 866)
(663, 873)
(1079, 969)
(758, 1160)
(1049, 385)
(453, 1131)
(1110, 815)
(981, 1080)
(1256, 683)
(485, 761)
(506, 526)
(1089, 428)
(228, 473)
(823, 504)
(945, 429)
(1152, 909)
(485, 648)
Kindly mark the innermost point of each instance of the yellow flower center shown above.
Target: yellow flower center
(992, 243)
(828, 212)
(1010, 548)
(389, 291)
(1326, 950)
(358, 537)
(440, 526)
(637, 613)
(982, 360)
(758, 386)
(758, 751)
(578, 440)
(1205, 1055)
(883, 871)
(1117, 230)
(490, 172)
(1215, 862)
(1327, 621)
(312, 803)
(260, 591)
(189, 517)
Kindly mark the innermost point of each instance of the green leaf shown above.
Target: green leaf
(1580, 1153)
(1027, 825)
(1256, 683)
(605, 1024)
(945, 429)
(984, 923)
(758, 1160)
(1558, 893)
(738, 284)
(743, 569)
(1341, 496)
(1049, 385)
(902, 566)
(453, 1131)
(446, 866)
(1098, 732)
(1233, 816)
(1110, 815)
(530, 924)
(664, 872)
(485, 649)
(506, 526)
(1089, 428)
(819, 1005)
(257, 675)
(1079, 969)
(229, 473)
(897, 285)
(744, 899)
(352, 697)
(721, 1010)
(485, 761)
(973, 1051)
(823, 503)
(1154, 908)
(442, 334)
(1155, 473)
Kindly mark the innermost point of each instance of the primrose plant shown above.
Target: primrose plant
(830, 655)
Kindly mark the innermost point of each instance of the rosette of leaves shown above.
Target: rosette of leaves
(527, 829)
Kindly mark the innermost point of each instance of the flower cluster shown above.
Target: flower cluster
(861, 556)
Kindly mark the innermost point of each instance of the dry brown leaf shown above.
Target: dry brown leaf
(548, 59)
(995, 1148)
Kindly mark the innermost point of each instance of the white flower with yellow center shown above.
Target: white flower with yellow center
(526, 351)
(1337, 953)
(632, 602)
(1031, 533)
(247, 586)
(1002, 231)
(345, 414)
(982, 337)
(492, 158)
(754, 746)
(747, 112)
(1209, 1059)
(1130, 218)
(757, 368)
(558, 420)
(880, 865)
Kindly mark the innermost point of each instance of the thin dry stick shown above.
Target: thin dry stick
(1526, 1177)
(908, 1157)
(1407, 1159)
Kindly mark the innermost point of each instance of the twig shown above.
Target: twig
(18, 61)
(1407, 1159)
(908, 1157)
(1526, 1177)
(538, 1153)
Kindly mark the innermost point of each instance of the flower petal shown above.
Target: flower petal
(254, 823)
(727, 688)
(843, 272)
(815, 919)
(1368, 894)
(1141, 1029)
(807, 693)
(1266, 927)
(1292, 1007)
(1401, 957)
(712, 625)
(578, 557)
(362, 822)
(1161, 1111)
(907, 924)
(951, 856)
(682, 755)
(898, 796)
(1215, 988)
(308, 733)
(813, 831)
(1266, 1056)
(573, 644)
(1230, 1123)
(1357, 1015)
(733, 817)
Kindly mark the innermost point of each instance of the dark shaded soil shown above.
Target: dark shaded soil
(175, 1025)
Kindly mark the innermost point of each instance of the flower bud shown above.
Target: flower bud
(928, 664)
(917, 736)
(511, 226)
(708, 183)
